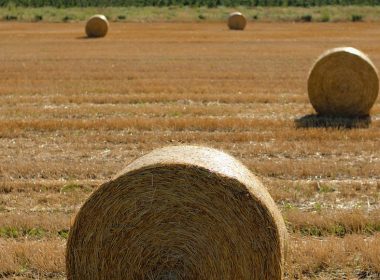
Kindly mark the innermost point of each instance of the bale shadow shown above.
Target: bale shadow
(317, 121)
(87, 38)
(82, 38)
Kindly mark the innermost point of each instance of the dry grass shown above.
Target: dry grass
(340, 256)
(36, 258)
(68, 121)
(325, 222)
(353, 256)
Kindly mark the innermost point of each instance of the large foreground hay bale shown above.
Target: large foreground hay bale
(181, 212)
(237, 21)
(343, 82)
(97, 26)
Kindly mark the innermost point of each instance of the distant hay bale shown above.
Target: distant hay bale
(343, 82)
(237, 21)
(182, 212)
(97, 26)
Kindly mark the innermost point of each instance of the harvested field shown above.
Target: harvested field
(76, 111)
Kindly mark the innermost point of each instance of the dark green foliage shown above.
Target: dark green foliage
(13, 232)
(208, 3)
(10, 17)
(38, 17)
(356, 18)
(306, 18)
(64, 233)
(67, 18)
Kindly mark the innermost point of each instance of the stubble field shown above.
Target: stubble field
(75, 111)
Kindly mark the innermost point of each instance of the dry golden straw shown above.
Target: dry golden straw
(182, 212)
(97, 26)
(237, 21)
(343, 82)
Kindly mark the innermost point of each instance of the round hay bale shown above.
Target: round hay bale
(236, 21)
(182, 212)
(97, 26)
(344, 83)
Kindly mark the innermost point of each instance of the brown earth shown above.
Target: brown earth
(74, 111)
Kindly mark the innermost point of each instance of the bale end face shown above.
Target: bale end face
(343, 83)
(236, 21)
(180, 212)
(97, 26)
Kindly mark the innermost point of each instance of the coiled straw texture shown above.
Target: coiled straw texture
(236, 21)
(97, 26)
(343, 82)
(182, 212)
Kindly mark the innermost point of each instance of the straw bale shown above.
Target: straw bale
(343, 82)
(236, 21)
(97, 26)
(181, 212)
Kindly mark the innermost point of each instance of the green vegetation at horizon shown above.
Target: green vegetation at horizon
(188, 14)
(208, 3)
